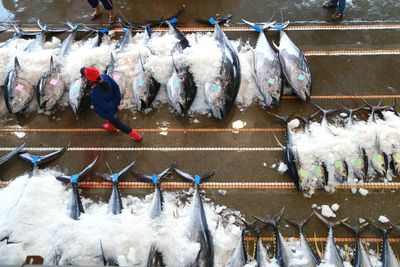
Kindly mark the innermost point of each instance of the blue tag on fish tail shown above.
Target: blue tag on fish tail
(215, 88)
(74, 178)
(35, 159)
(197, 179)
(212, 21)
(173, 20)
(126, 29)
(257, 28)
(278, 27)
(271, 81)
(104, 30)
(301, 77)
(115, 177)
(154, 178)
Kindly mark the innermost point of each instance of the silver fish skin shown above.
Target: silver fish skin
(267, 72)
(18, 93)
(50, 88)
(181, 90)
(379, 159)
(331, 255)
(221, 92)
(261, 255)
(77, 98)
(295, 67)
(239, 257)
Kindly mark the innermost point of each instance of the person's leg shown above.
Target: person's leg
(342, 6)
(94, 4)
(108, 5)
(120, 125)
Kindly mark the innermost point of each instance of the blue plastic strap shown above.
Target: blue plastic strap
(278, 27)
(126, 29)
(154, 178)
(212, 21)
(257, 28)
(74, 178)
(115, 177)
(35, 159)
(173, 20)
(197, 179)
(104, 30)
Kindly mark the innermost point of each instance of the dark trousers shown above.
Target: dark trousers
(342, 5)
(107, 4)
(120, 125)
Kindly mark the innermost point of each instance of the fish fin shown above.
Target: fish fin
(64, 179)
(142, 177)
(17, 66)
(274, 45)
(300, 224)
(87, 169)
(11, 154)
(51, 156)
(382, 229)
(141, 62)
(328, 223)
(355, 229)
(271, 221)
(102, 254)
(126, 169)
(184, 175)
(51, 64)
(277, 140)
(207, 176)
(319, 252)
(282, 118)
(162, 175)
(173, 63)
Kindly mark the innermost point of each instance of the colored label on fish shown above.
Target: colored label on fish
(338, 164)
(19, 87)
(396, 157)
(271, 81)
(140, 83)
(175, 83)
(74, 178)
(317, 170)
(35, 159)
(53, 82)
(257, 28)
(197, 179)
(357, 162)
(215, 88)
(301, 77)
(378, 158)
(302, 174)
(154, 178)
(115, 177)
(117, 76)
(278, 27)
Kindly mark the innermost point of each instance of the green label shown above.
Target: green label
(339, 164)
(357, 162)
(318, 170)
(302, 173)
(378, 158)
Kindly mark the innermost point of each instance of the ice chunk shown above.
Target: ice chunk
(335, 207)
(294, 123)
(282, 168)
(383, 219)
(222, 192)
(363, 191)
(238, 124)
(327, 212)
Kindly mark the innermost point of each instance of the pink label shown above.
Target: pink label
(117, 76)
(53, 82)
(19, 87)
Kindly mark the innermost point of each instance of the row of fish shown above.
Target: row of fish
(322, 154)
(220, 92)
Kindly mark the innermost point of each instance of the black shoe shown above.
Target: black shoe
(329, 4)
(337, 16)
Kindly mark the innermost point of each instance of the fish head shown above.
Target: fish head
(141, 91)
(275, 89)
(180, 90)
(340, 171)
(396, 162)
(379, 164)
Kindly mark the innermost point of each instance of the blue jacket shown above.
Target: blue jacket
(106, 102)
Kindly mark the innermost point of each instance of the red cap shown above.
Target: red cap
(92, 74)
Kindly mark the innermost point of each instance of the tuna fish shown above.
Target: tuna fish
(359, 164)
(361, 257)
(11, 154)
(221, 92)
(75, 207)
(115, 203)
(50, 87)
(331, 255)
(295, 67)
(155, 255)
(18, 93)
(145, 88)
(181, 88)
(312, 258)
(35, 161)
(388, 258)
(198, 228)
(65, 47)
(239, 257)
(395, 162)
(267, 68)
(283, 253)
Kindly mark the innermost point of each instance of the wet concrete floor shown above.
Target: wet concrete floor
(332, 76)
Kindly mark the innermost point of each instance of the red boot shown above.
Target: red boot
(135, 136)
(109, 127)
